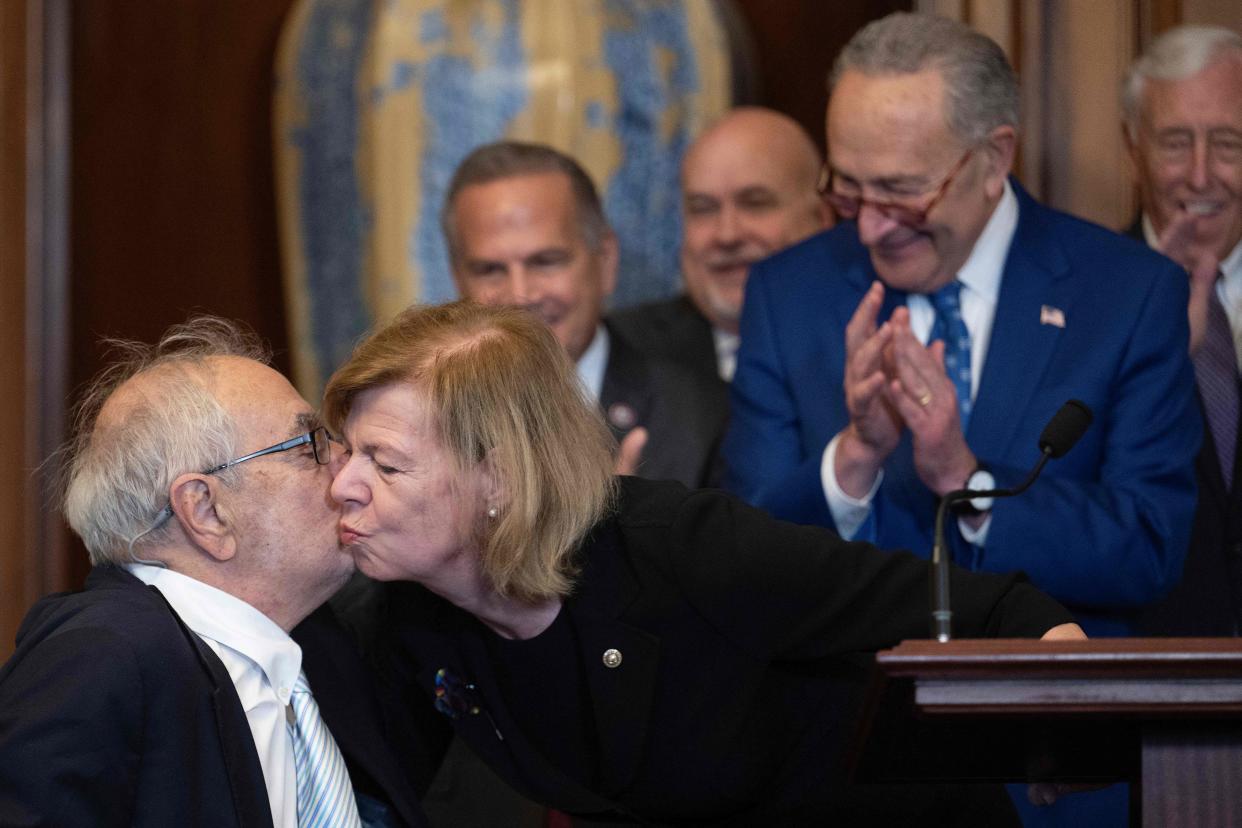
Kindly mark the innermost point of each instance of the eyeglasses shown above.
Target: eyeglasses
(320, 440)
(849, 206)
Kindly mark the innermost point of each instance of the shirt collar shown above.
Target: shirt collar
(227, 620)
(1231, 267)
(726, 352)
(984, 267)
(593, 361)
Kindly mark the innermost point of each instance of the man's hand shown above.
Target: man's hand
(926, 399)
(630, 452)
(874, 426)
(1178, 243)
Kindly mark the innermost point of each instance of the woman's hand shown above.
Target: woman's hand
(1064, 632)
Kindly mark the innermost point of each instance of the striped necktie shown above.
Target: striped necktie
(950, 327)
(325, 795)
(1216, 370)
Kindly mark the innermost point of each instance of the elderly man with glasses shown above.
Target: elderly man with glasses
(170, 691)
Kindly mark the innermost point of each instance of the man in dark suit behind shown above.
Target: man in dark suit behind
(169, 691)
(524, 226)
(747, 191)
(1182, 102)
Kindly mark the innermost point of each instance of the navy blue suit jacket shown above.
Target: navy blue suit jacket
(1105, 530)
(112, 712)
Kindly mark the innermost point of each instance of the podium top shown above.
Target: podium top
(1100, 657)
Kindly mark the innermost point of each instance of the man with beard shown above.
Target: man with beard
(748, 190)
(1182, 102)
(524, 227)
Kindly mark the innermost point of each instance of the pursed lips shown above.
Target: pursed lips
(349, 535)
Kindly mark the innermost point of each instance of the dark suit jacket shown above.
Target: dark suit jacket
(670, 329)
(112, 712)
(722, 705)
(685, 413)
(1082, 313)
(1208, 598)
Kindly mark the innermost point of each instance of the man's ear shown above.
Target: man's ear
(195, 503)
(1001, 147)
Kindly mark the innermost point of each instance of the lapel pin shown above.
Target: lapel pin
(612, 658)
(1049, 315)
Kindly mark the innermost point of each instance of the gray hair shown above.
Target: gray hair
(1175, 55)
(980, 86)
(116, 477)
(510, 159)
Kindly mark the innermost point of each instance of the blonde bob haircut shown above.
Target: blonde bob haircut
(501, 389)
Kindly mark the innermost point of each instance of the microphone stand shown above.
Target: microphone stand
(942, 615)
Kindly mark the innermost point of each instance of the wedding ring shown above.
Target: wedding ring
(925, 399)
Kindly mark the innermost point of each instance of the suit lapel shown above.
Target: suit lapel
(620, 694)
(1033, 307)
(625, 396)
(700, 343)
(237, 750)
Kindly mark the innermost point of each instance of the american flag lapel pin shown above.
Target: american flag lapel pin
(1049, 315)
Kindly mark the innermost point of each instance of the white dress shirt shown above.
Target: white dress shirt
(726, 353)
(981, 279)
(1228, 286)
(593, 362)
(263, 662)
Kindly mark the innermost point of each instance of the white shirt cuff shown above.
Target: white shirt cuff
(848, 513)
(977, 537)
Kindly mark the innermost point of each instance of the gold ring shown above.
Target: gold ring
(925, 399)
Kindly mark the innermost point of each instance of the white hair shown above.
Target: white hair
(1175, 55)
(116, 476)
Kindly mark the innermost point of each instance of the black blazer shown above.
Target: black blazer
(1208, 599)
(723, 704)
(112, 712)
(670, 329)
(685, 413)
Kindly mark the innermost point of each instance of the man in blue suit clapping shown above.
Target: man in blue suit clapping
(922, 344)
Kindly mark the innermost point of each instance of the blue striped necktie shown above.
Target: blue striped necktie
(950, 327)
(325, 795)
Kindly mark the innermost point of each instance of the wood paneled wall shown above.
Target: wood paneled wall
(33, 333)
(13, 59)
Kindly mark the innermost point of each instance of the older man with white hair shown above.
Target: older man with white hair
(1182, 101)
(169, 691)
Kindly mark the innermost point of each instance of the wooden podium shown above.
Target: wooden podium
(1164, 714)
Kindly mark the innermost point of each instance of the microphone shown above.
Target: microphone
(1064, 430)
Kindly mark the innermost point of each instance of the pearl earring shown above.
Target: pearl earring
(493, 513)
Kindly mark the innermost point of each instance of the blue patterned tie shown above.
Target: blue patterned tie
(950, 327)
(1216, 369)
(325, 795)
